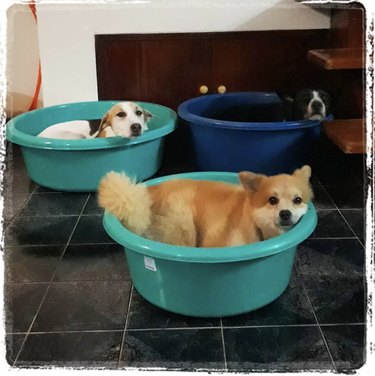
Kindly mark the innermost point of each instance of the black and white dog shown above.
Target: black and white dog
(308, 104)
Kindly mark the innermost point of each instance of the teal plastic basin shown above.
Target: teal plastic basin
(78, 165)
(210, 282)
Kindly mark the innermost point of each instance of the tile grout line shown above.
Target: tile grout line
(351, 229)
(344, 209)
(19, 210)
(319, 327)
(125, 327)
(50, 282)
(339, 210)
(364, 248)
(341, 294)
(223, 343)
(69, 332)
(187, 328)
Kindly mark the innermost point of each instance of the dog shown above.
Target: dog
(203, 213)
(125, 119)
(308, 104)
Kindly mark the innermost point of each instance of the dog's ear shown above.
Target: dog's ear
(288, 98)
(104, 122)
(250, 181)
(303, 173)
(148, 115)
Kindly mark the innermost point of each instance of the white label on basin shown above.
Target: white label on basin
(150, 263)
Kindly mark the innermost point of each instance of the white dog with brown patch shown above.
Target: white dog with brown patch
(209, 213)
(125, 119)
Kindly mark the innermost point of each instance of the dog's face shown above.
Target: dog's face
(278, 202)
(311, 104)
(127, 119)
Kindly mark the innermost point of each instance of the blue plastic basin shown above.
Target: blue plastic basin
(246, 131)
(78, 165)
(210, 282)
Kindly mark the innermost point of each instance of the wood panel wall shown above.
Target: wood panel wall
(169, 68)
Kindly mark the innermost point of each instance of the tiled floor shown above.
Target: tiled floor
(70, 300)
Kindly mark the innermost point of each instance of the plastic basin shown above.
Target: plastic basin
(210, 282)
(78, 165)
(246, 131)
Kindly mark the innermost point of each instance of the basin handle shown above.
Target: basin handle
(203, 89)
(221, 89)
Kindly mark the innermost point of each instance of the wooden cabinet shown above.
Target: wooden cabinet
(170, 68)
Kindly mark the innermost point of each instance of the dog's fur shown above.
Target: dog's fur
(207, 213)
(307, 104)
(126, 119)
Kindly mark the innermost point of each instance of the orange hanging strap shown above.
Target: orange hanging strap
(34, 102)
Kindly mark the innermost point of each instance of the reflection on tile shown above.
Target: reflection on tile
(331, 225)
(90, 230)
(183, 349)
(144, 315)
(331, 257)
(18, 314)
(347, 346)
(96, 305)
(41, 189)
(291, 308)
(97, 349)
(39, 230)
(93, 262)
(13, 343)
(19, 183)
(276, 349)
(54, 204)
(13, 203)
(14, 165)
(356, 219)
(31, 263)
(337, 299)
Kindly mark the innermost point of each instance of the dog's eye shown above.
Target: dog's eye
(306, 98)
(138, 113)
(297, 200)
(121, 114)
(273, 200)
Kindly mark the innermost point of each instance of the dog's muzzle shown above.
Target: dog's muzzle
(136, 129)
(317, 109)
(285, 218)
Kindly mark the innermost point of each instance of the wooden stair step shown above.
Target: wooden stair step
(347, 134)
(338, 58)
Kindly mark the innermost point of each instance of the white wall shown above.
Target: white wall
(66, 32)
(22, 59)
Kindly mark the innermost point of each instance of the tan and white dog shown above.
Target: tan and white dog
(207, 213)
(125, 119)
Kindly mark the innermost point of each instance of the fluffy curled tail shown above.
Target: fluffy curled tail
(126, 200)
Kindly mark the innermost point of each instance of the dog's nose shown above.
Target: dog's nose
(136, 128)
(285, 215)
(316, 106)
